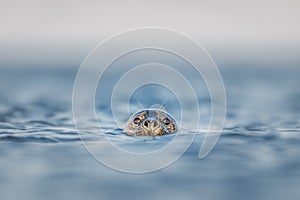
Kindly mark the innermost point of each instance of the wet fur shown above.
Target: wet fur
(134, 129)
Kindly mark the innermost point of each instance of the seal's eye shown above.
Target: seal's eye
(166, 121)
(136, 120)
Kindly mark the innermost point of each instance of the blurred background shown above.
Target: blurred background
(61, 33)
(255, 44)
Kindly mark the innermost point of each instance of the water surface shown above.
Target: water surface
(257, 156)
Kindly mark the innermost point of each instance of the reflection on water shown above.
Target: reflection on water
(257, 155)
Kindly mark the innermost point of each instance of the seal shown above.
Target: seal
(150, 122)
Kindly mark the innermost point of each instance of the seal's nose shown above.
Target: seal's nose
(151, 124)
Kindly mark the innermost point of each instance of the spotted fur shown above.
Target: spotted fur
(151, 122)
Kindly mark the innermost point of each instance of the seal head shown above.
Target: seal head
(150, 122)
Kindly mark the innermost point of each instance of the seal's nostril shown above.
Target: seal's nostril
(146, 123)
(151, 124)
(155, 124)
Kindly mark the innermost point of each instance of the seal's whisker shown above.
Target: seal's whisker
(163, 106)
(140, 105)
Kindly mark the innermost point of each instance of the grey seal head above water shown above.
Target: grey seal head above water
(150, 122)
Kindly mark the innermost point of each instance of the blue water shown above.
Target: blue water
(256, 157)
